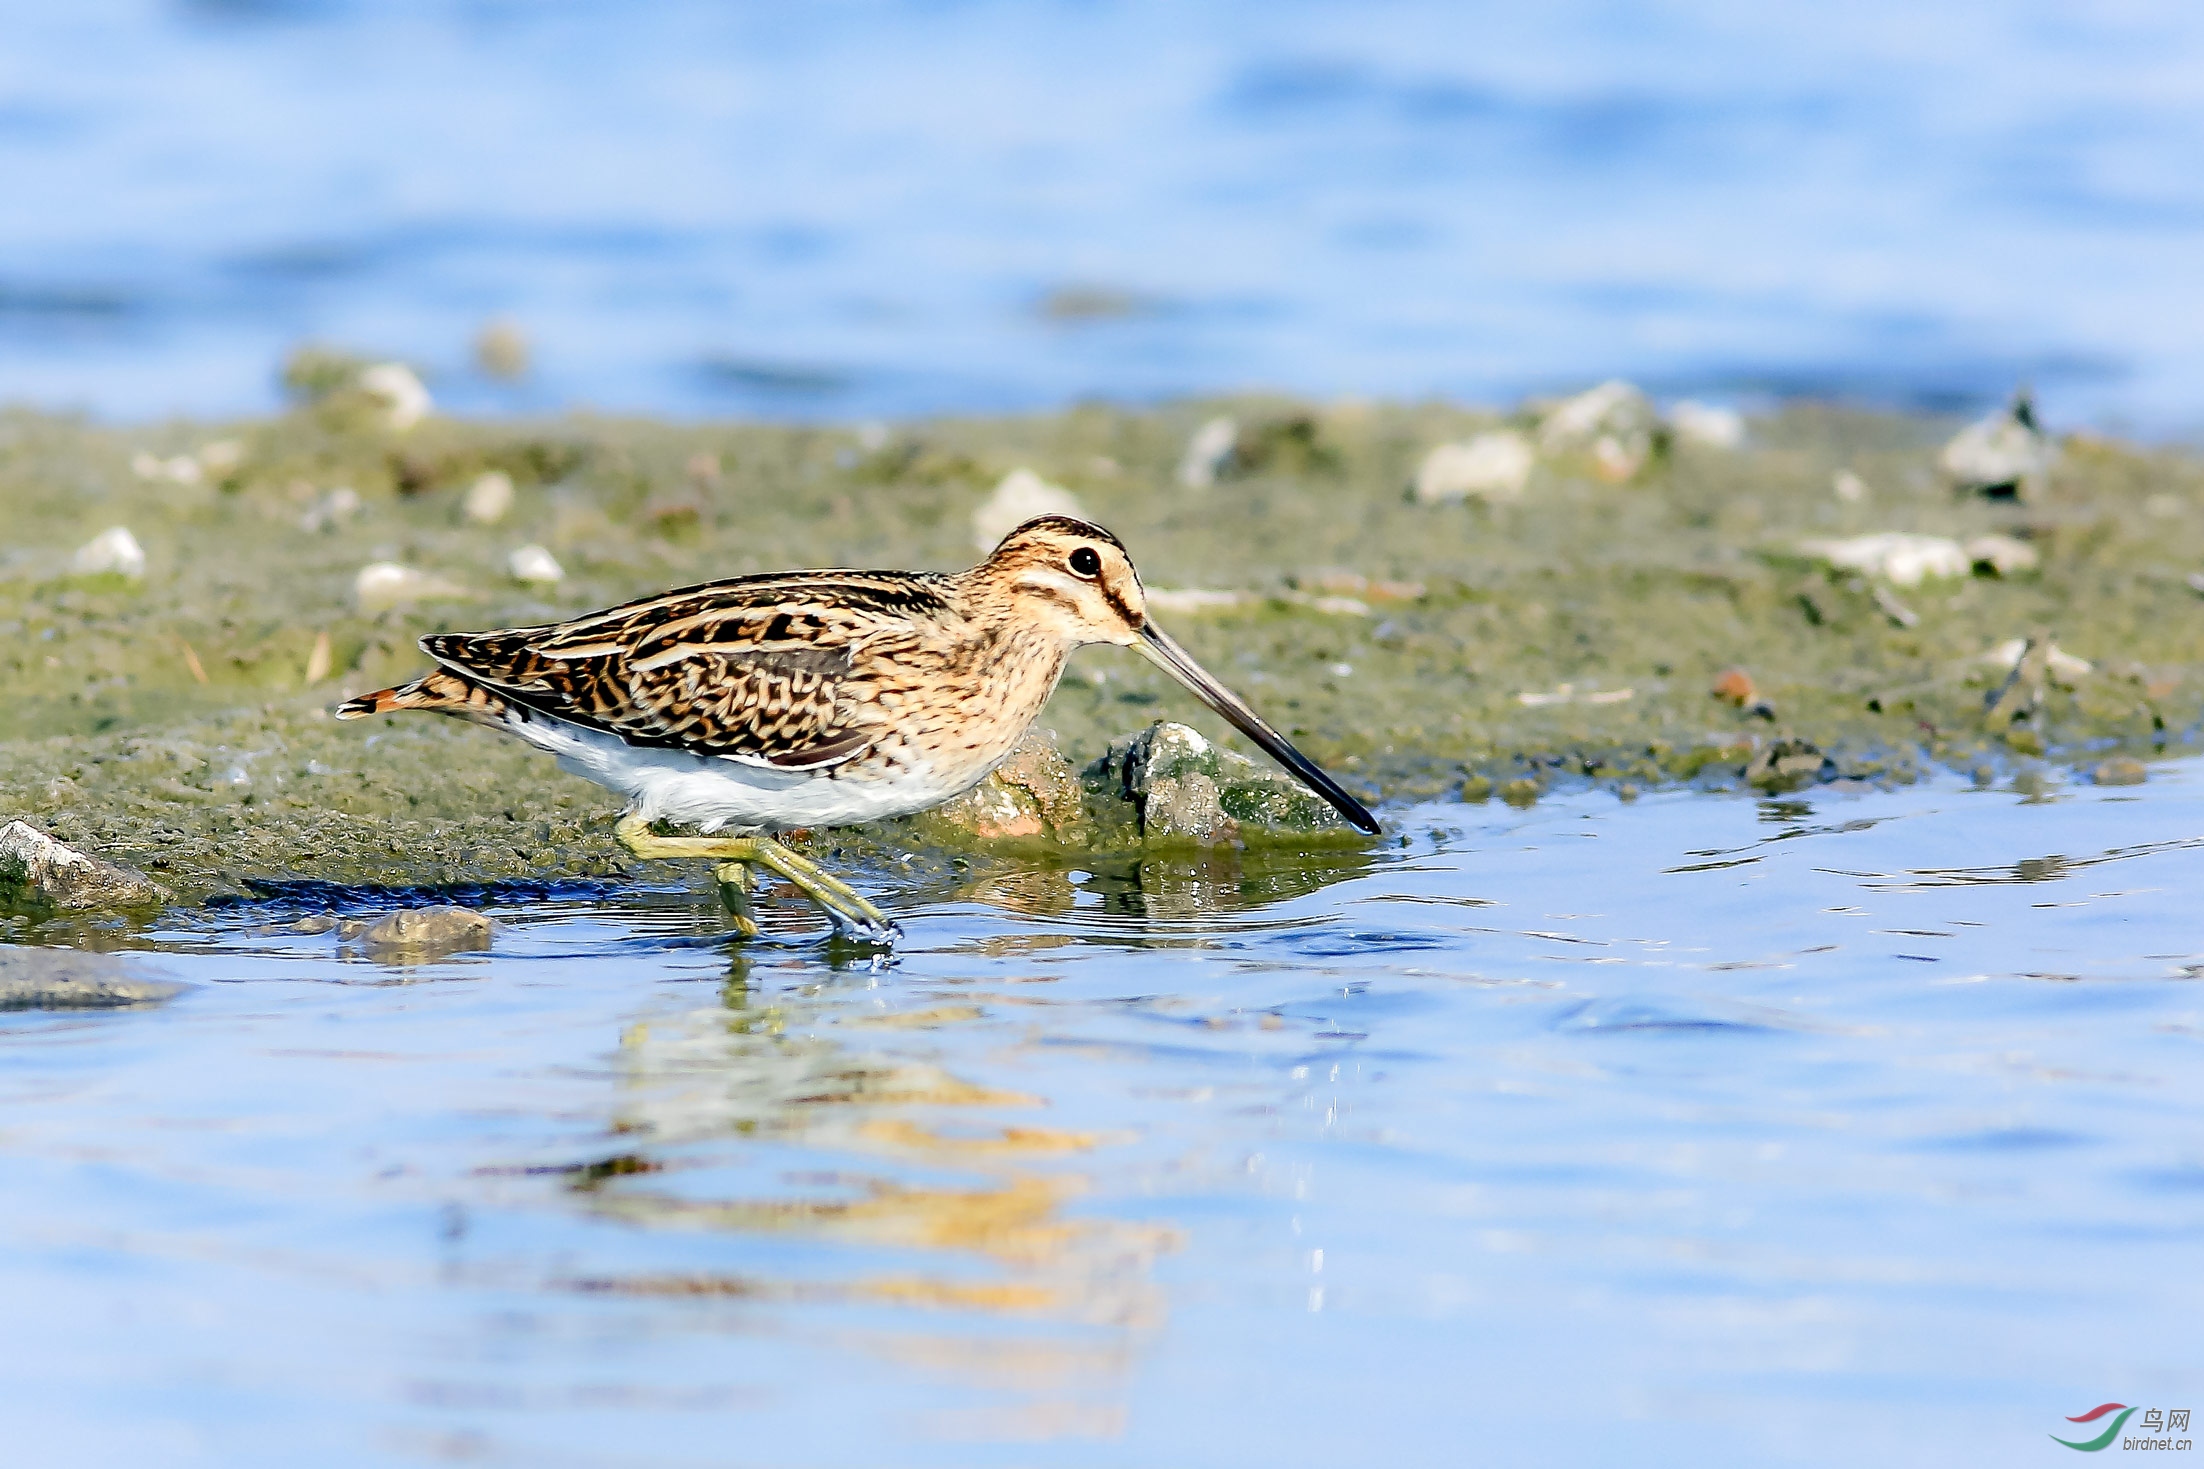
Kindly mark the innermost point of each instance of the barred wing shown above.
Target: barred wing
(781, 671)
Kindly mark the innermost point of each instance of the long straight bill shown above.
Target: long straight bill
(1172, 658)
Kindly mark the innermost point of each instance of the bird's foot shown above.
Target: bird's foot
(853, 916)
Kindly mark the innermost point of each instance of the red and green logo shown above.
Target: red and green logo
(2156, 1421)
(2102, 1440)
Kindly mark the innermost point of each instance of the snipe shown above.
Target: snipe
(814, 698)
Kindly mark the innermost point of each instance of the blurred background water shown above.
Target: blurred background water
(889, 207)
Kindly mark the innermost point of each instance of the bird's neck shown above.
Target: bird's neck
(1006, 666)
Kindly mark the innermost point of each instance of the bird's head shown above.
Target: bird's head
(1073, 577)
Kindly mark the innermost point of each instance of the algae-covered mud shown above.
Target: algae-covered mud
(1630, 609)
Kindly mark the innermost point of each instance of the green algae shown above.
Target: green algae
(177, 722)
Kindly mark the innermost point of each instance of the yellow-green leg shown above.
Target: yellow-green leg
(734, 895)
(843, 904)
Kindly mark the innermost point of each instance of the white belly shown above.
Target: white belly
(714, 794)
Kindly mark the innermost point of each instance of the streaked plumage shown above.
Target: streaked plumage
(812, 698)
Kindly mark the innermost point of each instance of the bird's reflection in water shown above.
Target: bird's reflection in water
(1169, 887)
(942, 1196)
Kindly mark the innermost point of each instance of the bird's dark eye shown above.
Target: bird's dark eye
(1085, 562)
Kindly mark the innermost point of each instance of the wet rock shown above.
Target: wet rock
(1523, 791)
(36, 869)
(1019, 497)
(112, 550)
(1185, 808)
(1783, 765)
(68, 979)
(1492, 466)
(1184, 789)
(2121, 770)
(1033, 793)
(419, 933)
(2004, 455)
(1899, 557)
(1208, 453)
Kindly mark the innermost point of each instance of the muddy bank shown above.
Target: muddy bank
(168, 710)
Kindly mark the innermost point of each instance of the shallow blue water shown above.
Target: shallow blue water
(1834, 1130)
(862, 209)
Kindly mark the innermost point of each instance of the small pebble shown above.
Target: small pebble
(2002, 554)
(1788, 764)
(113, 549)
(1706, 425)
(1208, 453)
(1900, 557)
(182, 470)
(1192, 599)
(382, 585)
(1615, 409)
(2121, 770)
(488, 498)
(501, 350)
(319, 659)
(1736, 687)
(333, 511)
(1492, 466)
(2003, 455)
(1020, 496)
(535, 566)
(2063, 666)
(399, 391)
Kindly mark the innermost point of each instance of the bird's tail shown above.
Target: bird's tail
(441, 692)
